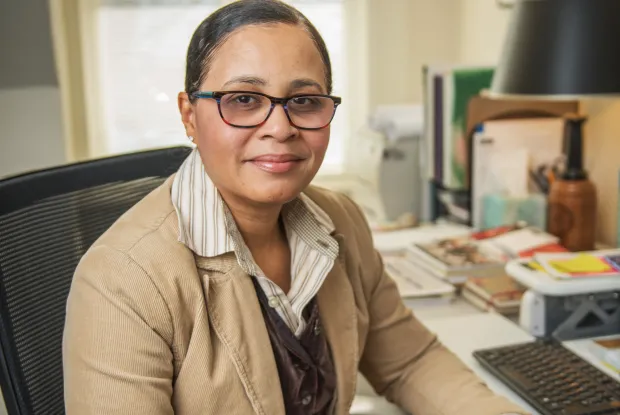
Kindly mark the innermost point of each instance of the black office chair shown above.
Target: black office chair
(48, 219)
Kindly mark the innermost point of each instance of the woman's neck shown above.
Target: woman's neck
(266, 239)
(259, 225)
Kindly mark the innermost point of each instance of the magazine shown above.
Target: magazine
(462, 253)
(482, 254)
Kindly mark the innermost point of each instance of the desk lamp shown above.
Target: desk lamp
(564, 49)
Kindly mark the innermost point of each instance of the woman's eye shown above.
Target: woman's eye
(245, 99)
(302, 101)
(307, 102)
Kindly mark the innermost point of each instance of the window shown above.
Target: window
(141, 46)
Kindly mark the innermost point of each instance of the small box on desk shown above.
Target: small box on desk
(500, 210)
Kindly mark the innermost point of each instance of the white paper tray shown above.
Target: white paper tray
(543, 283)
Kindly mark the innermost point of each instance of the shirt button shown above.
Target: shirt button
(274, 302)
(317, 329)
(306, 400)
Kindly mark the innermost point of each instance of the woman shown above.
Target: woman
(235, 288)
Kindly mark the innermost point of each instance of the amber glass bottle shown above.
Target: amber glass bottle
(572, 197)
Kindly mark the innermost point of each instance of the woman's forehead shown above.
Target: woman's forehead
(277, 53)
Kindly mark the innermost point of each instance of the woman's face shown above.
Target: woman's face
(253, 164)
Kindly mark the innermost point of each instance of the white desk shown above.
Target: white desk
(462, 329)
(464, 334)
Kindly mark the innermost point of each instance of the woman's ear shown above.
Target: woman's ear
(186, 108)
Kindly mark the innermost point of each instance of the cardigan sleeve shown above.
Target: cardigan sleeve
(116, 353)
(404, 361)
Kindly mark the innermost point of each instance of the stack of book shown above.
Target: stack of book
(432, 264)
(480, 254)
(501, 294)
(413, 282)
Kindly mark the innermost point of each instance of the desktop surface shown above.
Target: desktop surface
(464, 334)
(462, 328)
(467, 332)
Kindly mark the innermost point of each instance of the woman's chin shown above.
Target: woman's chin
(275, 193)
(276, 188)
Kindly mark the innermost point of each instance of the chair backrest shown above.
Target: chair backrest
(48, 219)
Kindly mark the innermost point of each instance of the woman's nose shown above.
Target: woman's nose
(278, 125)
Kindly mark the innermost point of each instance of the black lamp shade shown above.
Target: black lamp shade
(561, 49)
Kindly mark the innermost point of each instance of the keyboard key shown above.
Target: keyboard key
(555, 405)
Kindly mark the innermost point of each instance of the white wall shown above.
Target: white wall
(31, 135)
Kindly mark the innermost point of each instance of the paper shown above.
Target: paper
(522, 240)
(535, 266)
(582, 263)
(510, 172)
(578, 265)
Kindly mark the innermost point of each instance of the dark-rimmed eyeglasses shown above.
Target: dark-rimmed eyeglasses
(244, 109)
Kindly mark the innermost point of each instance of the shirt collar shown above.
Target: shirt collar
(206, 225)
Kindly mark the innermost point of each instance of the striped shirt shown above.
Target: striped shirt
(207, 227)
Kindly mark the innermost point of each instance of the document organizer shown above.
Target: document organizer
(481, 108)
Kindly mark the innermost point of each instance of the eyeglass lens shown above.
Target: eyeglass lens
(248, 110)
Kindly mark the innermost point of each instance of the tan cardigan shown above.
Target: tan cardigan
(152, 330)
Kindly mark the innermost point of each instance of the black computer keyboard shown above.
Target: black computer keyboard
(552, 379)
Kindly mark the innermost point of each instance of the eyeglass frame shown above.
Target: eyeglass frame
(217, 96)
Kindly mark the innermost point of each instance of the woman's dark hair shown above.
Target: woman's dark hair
(218, 26)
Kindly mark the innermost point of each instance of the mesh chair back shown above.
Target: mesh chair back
(48, 219)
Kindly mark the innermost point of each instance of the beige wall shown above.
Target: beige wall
(602, 160)
(403, 36)
(479, 19)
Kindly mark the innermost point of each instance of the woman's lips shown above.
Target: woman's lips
(276, 163)
(275, 166)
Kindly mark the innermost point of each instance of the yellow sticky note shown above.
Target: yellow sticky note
(582, 263)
